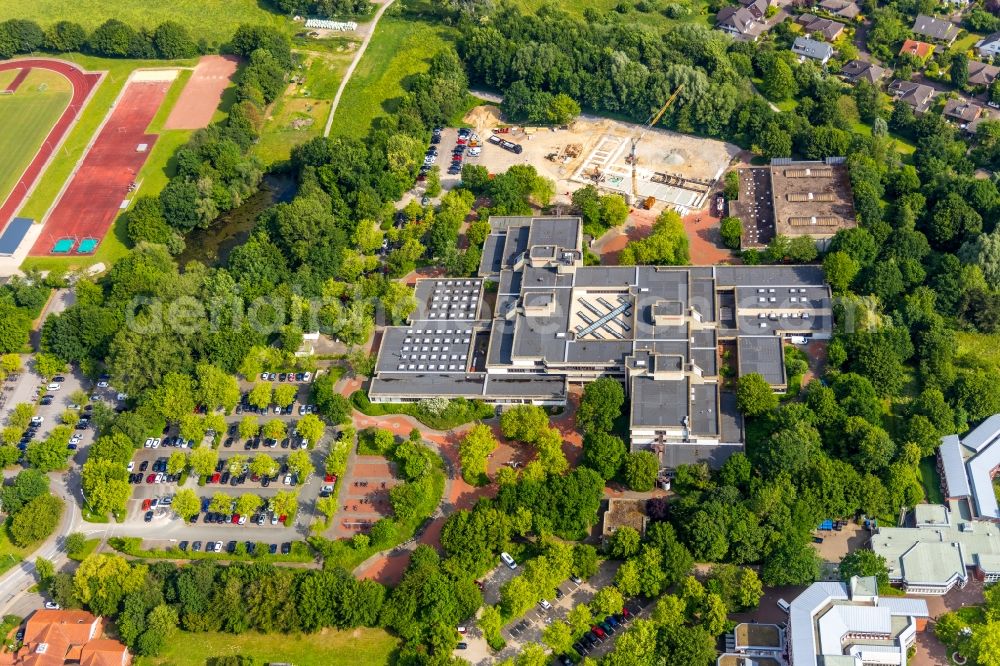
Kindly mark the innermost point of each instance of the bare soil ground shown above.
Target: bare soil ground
(570, 157)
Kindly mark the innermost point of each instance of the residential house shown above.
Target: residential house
(962, 111)
(804, 47)
(916, 49)
(916, 95)
(861, 70)
(937, 30)
(830, 30)
(842, 8)
(982, 74)
(740, 23)
(989, 46)
(757, 8)
(57, 637)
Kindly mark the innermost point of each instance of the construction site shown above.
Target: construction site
(671, 170)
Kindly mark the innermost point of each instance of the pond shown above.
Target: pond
(212, 246)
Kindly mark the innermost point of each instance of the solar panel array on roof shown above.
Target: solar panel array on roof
(434, 350)
(454, 299)
(13, 235)
(811, 196)
(811, 172)
(813, 221)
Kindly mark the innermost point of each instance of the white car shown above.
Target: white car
(75, 407)
(545, 605)
(37, 420)
(54, 386)
(288, 480)
(218, 546)
(75, 439)
(307, 376)
(326, 489)
(274, 519)
(156, 443)
(159, 477)
(102, 384)
(148, 444)
(242, 520)
(130, 466)
(51, 605)
(167, 501)
(474, 152)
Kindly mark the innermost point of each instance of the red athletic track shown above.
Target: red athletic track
(93, 198)
(18, 80)
(83, 83)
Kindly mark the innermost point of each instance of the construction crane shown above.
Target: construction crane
(637, 137)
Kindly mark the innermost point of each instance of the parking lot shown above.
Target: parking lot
(445, 150)
(154, 488)
(529, 627)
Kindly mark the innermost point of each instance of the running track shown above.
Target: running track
(83, 83)
(93, 198)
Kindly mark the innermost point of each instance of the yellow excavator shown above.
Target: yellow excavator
(633, 158)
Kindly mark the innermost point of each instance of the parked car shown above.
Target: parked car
(148, 517)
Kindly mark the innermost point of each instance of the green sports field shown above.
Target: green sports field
(214, 20)
(26, 118)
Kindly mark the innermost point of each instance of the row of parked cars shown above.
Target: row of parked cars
(158, 473)
(217, 547)
(286, 377)
(600, 632)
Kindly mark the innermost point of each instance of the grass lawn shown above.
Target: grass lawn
(113, 246)
(931, 480)
(400, 48)
(359, 647)
(983, 346)
(965, 43)
(10, 553)
(697, 11)
(301, 113)
(89, 547)
(214, 20)
(27, 117)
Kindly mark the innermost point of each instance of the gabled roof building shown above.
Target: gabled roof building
(968, 466)
(58, 637)
(981, 73)
(938, 548)
(846, 624)
(862, 70)
(740, 23)
(804, 47)
(938, 30)
(917, 95)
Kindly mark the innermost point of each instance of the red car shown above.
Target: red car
(330, 478)
(215, 478)
(282, 519)
(625, 613)
(146, 503)
(597, 630)
(236, 518)
(151, 478)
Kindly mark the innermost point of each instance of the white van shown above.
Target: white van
(508, 560)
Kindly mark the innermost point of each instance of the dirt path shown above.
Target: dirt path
(354, 64)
